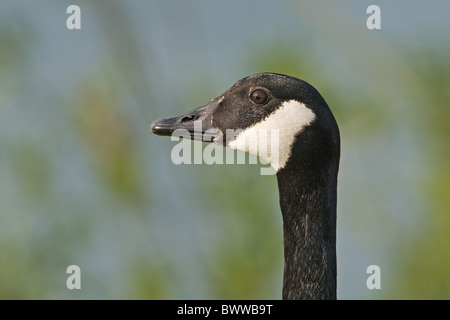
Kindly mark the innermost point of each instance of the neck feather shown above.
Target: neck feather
(308, 205)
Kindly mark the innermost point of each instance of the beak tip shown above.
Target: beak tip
(159, 128)
(153, 127)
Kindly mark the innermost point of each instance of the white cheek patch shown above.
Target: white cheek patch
(272, 138)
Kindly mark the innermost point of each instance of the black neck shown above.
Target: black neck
(308, 205)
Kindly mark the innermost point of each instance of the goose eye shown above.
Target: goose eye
(259, 96)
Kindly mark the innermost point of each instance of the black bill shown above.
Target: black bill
(196, 124)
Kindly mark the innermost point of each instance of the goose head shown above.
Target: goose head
(266, 107)
(286, 122)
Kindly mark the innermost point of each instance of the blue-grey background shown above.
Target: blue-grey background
(83, 182)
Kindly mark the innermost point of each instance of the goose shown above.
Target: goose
(306, 165)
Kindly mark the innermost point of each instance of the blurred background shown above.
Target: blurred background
(83, 182)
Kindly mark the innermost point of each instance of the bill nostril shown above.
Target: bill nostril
(190, 117)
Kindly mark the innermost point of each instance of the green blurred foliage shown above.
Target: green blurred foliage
(248, 253)
(424, 257)
(149, 281)
(105, 128)
(13, 62)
